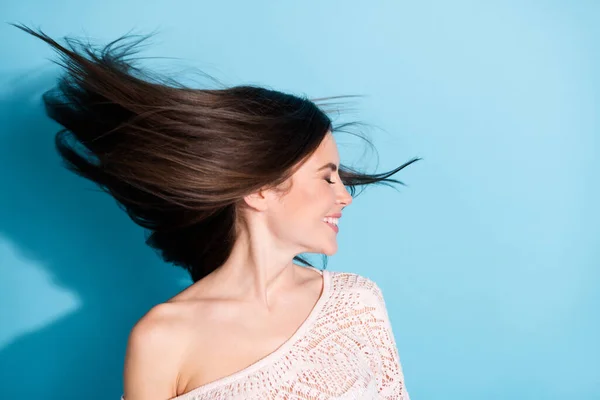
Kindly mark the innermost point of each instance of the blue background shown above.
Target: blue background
(488, 259)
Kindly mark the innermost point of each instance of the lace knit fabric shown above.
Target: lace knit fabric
(345, 349)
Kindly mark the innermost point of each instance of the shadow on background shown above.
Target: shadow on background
(89, 247)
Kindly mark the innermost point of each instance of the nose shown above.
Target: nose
(344, 197)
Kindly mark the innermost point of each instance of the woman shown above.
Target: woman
(232, 184)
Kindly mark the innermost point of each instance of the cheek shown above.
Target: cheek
(326, 196)
(321, 196)
(309, 205)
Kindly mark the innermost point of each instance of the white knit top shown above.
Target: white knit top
(345, 349)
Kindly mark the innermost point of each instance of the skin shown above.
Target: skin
(241, 312)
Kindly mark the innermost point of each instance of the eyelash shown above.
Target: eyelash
(328, 180)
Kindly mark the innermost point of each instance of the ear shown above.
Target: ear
(257, 200)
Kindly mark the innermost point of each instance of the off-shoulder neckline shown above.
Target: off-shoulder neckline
(325, 292)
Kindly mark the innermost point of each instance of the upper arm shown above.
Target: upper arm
(152, 358)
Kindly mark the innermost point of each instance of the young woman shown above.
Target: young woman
(232, 184)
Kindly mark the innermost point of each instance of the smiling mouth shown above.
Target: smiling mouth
(333, 226)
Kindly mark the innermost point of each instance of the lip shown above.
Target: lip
(337, 215)
(334, 227)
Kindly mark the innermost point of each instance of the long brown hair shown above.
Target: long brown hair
(179, 160)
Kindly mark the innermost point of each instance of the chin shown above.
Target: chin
(329, 251)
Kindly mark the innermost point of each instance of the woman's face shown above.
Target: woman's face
(296, 218)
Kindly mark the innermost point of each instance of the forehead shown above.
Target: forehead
(326, 152)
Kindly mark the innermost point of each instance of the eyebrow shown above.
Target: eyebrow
(329, 165)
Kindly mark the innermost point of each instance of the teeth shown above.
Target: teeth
(331, 220)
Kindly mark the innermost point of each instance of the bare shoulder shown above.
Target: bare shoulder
(155, 349)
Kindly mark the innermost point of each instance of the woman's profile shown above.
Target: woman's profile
(232, 184)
